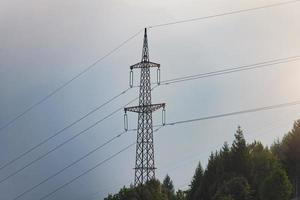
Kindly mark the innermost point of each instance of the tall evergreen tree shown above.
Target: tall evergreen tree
(169, 188)
(195, 186)
(288, 151)
(262, 163)
(240, 154)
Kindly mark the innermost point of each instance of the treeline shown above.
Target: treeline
(238, 172)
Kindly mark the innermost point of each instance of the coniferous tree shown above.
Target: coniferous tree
(288, 151)
(195, 186)
(240, 154)
(169, 188)
(263, 163)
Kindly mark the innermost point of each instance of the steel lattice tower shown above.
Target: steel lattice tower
(144, 163)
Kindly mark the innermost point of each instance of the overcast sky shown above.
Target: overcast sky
(45, 43)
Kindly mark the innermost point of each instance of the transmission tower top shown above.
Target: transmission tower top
(145, 54)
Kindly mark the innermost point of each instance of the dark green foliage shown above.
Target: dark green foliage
(276, 186)
(192, 193)
(223, 166)
(236, 173)
(288, 151)
(236, 188)
(153, 190)
(180, 195)
(263, 163)
(168, 188)
(150, 191)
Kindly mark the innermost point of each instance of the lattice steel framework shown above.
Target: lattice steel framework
(144, 163)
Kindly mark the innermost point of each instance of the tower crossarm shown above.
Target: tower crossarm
(145, 108)
(144, 65)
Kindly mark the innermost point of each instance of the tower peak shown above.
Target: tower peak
(145, 54)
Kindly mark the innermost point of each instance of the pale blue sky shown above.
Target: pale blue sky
(45, 43)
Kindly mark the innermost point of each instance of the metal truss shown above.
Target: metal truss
(144, 162)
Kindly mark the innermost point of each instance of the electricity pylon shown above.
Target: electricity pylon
(144, 162)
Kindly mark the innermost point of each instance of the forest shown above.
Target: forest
(240, 171)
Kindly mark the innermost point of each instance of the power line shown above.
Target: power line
(65, 142)
(91, 169)
(232, 70)
(70, 139)
(288, 104)
(222, 14)
(68, 82)
(258, 65)
(73, 163)
(62, 130)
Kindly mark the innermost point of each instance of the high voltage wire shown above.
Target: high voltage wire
(222, 14)
(232, 70)
(122, 44)
(68, 82)
(62, 130)
(68, 140)
(73, 163)
(288, 104)
(65, 142)
(166, 82)
(91, 169)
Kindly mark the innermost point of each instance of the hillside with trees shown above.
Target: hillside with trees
(242, 171)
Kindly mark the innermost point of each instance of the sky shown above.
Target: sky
(46, 43)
